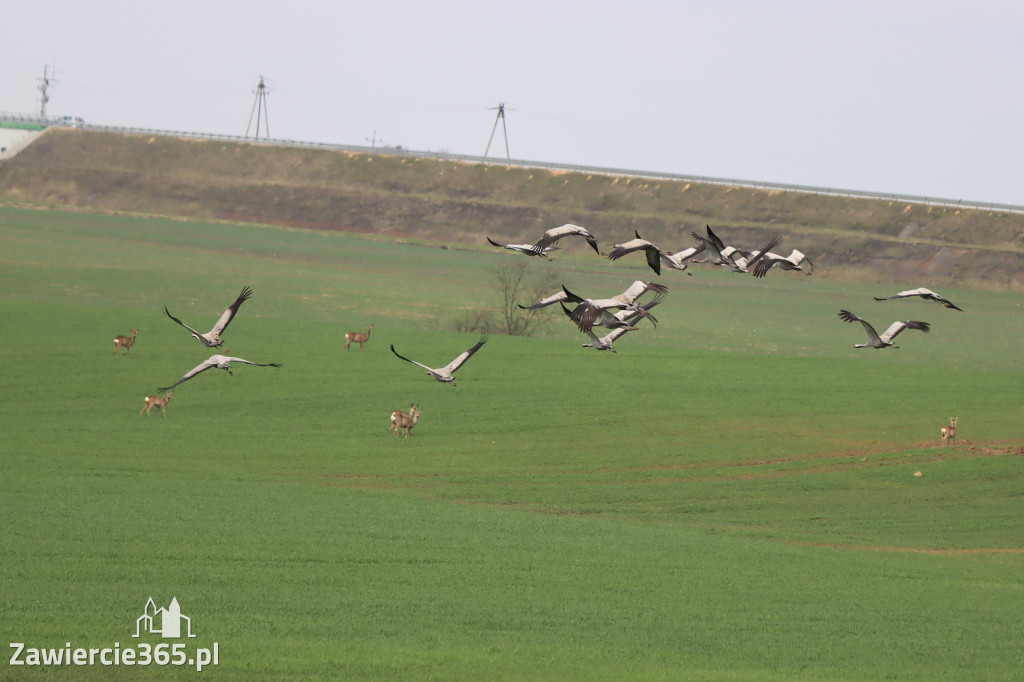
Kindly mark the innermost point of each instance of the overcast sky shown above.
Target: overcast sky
(921, 98)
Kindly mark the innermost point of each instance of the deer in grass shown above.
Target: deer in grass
(156, 401)
(125, 342)
(949, 432)
(405, 420)
(397, 415)
(359, 337)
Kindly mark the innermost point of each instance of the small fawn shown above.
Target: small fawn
(125, 342)
(405, 420)
(156, 401)
(360, 337)
(949, 432)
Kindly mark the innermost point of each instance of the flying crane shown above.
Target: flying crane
(446, 374)
(211, 339)
(218, 361)
(926, 294)
(885, 340)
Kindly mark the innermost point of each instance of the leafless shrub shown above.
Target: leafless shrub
(515, 285)
(517, 288)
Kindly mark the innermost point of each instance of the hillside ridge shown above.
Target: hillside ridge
(404, 196)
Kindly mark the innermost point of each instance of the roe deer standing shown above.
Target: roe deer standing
(125, 342)
(360, 337)
(156, 401)
(949, 432)
(397, 416)
(405, 420)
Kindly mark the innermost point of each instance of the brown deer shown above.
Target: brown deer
(949, 432)
(404, 421)
(156, 401)
(397, 416)
(359, 337)
(125, 342)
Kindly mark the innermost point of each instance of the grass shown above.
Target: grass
(22, 125)
(730, 496)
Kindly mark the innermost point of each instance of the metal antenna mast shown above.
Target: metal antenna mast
(501, 117)
(44, 96)
(259, 106)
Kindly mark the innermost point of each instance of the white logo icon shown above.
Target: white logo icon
(165, 622)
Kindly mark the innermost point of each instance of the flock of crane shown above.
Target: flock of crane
(619, 314)
(709, 249)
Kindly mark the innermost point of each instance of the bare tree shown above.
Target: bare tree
(516, 287)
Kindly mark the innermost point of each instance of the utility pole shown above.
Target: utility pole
(259, 107)
(44, 96)
(501, 117)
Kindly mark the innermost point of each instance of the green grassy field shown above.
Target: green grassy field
(731, 496)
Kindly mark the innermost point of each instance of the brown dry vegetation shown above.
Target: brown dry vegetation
(405, 196)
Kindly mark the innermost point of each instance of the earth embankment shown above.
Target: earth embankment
(403, 196)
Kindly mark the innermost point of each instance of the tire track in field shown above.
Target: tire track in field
(858, 460)
(464, 484)
(731, 471)
(937, 551)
